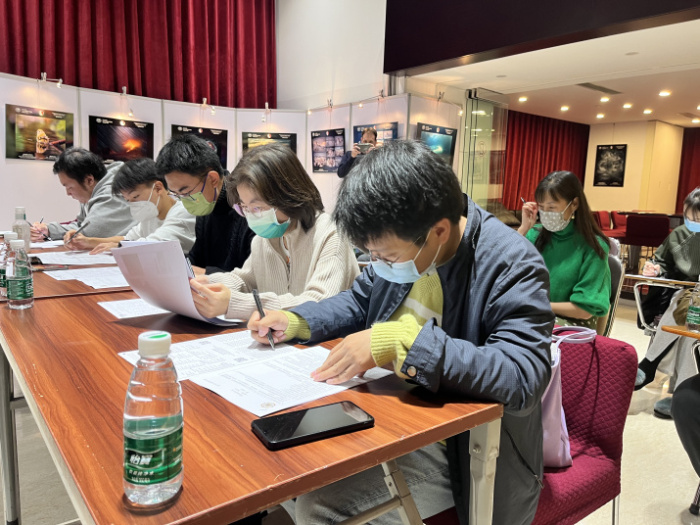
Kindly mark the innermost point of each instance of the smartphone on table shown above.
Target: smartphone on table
(303, 426)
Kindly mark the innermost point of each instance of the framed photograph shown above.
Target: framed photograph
(610, 165)
(327, 148)
(385, 131)
(440, 140)
(216, 138)
(120, 140)
(255, 139)
(35, 133)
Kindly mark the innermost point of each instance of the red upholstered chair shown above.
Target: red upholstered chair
(605, 223)
(597, 383)
(619, 220)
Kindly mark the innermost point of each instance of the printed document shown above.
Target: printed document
(98, 278)
(129, 308)
(77, 258)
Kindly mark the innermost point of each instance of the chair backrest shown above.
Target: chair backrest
(597, 383)
(617, 275)
(598, 220)
(619, 220)
(604, 220)
(646, 230)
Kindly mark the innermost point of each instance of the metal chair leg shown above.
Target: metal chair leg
(694, 506)
(616, 510)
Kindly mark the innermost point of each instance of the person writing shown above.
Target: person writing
(158, 216)
(195, 177)
(297, 254)
(85, 178)
(459, 303)
(369, 137)
(573, 247)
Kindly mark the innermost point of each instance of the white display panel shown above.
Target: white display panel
(439, 113)
(387, 109)
(197, 115)
(272, 121)
(31, 183)
(320, 119)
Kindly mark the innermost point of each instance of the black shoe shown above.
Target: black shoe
(645, 374)
(662, 408)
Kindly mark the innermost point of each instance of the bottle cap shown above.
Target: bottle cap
(17, 244)
(20, 213)
(9, 236)
(154, 344)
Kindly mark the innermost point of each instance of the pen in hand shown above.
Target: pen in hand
(76, 232)
(522, 200)
(262, 314)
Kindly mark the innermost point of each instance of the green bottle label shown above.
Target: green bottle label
(693, 316)
(18, 289)
(3, 284)
(150, 461)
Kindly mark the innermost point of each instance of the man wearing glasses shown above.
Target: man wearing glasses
(195, 177)
(459, 304)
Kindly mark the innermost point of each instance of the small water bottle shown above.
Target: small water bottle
(18, 277)
(153, 425)
(22, 228)
(9, 236)
(692, 319)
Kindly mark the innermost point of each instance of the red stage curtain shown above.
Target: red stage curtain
(689, 177)
(536, 146)
(183, 50)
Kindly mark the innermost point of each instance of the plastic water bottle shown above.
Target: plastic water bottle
(9, 236)
(692, 319)
(18, 277)
(22, 228)
(153, 425)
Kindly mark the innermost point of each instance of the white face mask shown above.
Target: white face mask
(404, 272)
(143, 211)
(554, 220)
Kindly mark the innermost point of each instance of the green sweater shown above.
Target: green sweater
(576, 273)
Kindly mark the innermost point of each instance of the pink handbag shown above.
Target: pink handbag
(557, 452)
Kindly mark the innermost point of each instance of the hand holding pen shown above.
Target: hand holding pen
(39, 231)
(258, 304)
(70, 236)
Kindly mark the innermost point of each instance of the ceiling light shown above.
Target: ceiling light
(308, 112)
(522, 99)
(664, 93)
(600, 115)
(627, 106)
(696, 121)
(565, 108)
(604, 99)
(461, 112)
(647, 112)
(359, 105)
(698, 107)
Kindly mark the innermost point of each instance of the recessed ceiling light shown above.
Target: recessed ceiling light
(627, 106)
(600, 115)
(696, 121)
(664, 93)
(647, 112)
(604, 99)
(522, 99)
(565, 108)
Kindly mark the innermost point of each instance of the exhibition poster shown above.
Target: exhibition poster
(35, 133)
(216, 138)
(439, 139)
(385, 131)
(610, 165)
(327, 148)
(114, 139)
(255, 139)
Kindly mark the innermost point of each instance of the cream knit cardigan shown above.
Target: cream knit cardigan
(321, 264)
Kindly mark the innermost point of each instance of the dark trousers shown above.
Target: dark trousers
(686, 415)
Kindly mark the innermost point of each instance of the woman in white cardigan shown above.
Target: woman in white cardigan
(297, 254)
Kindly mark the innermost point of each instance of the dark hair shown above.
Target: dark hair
(77, 163)
(370, 131)
(402, 188)
(274, 172)
(692, 203)
(565, 185)
(188, 154)
(134, 173)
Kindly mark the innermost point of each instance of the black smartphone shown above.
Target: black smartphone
(312, 424)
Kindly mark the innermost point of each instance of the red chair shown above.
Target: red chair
(597, 383)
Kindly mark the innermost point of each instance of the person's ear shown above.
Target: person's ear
(89, 182)
(441, 230)
(575, 204)
(213, 178)
(159, 187)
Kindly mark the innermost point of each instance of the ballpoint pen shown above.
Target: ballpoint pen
(46, 237)
(262, 314)
(76, 232)
(522, 200)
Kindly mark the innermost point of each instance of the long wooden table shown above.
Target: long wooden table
(64, 354)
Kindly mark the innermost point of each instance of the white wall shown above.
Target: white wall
(329, 49)
(664, 169)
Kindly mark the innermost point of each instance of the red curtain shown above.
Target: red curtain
(536, 146)
(183, 50)
(689, 177)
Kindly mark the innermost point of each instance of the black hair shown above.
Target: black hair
(692, 203)
(77, 163)
(188, 154)
(134, 173)
(401, 188)
(565, 185)
(274, 172)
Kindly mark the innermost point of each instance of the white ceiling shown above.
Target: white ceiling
(639, 64)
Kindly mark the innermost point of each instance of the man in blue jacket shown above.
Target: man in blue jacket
(459, 303)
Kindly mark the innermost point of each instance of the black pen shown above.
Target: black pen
(76, 232)
(262, 314)
(46, 237)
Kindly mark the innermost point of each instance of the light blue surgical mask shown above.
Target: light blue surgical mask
(403, 272)
(692, 225)
(266, 224)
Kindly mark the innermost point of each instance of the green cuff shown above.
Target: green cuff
(391, 341)
(298, 328)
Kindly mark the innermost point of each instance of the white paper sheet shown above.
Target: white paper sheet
(158, 273)
(98, 278)
(76, 258)
(47, 244)
(129, 308)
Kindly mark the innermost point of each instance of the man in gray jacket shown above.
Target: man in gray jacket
(460, 305)
(86, 179)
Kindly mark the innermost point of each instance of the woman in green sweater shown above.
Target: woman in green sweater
(573, 247)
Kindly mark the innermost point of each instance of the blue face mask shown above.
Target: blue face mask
(266, 225)
(692, 225)
(403, 272)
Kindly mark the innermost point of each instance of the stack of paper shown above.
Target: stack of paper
(98, 278)
(77, 258)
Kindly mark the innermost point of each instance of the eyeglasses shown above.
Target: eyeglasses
(373, 257)
(187, 195)
(255, 211)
